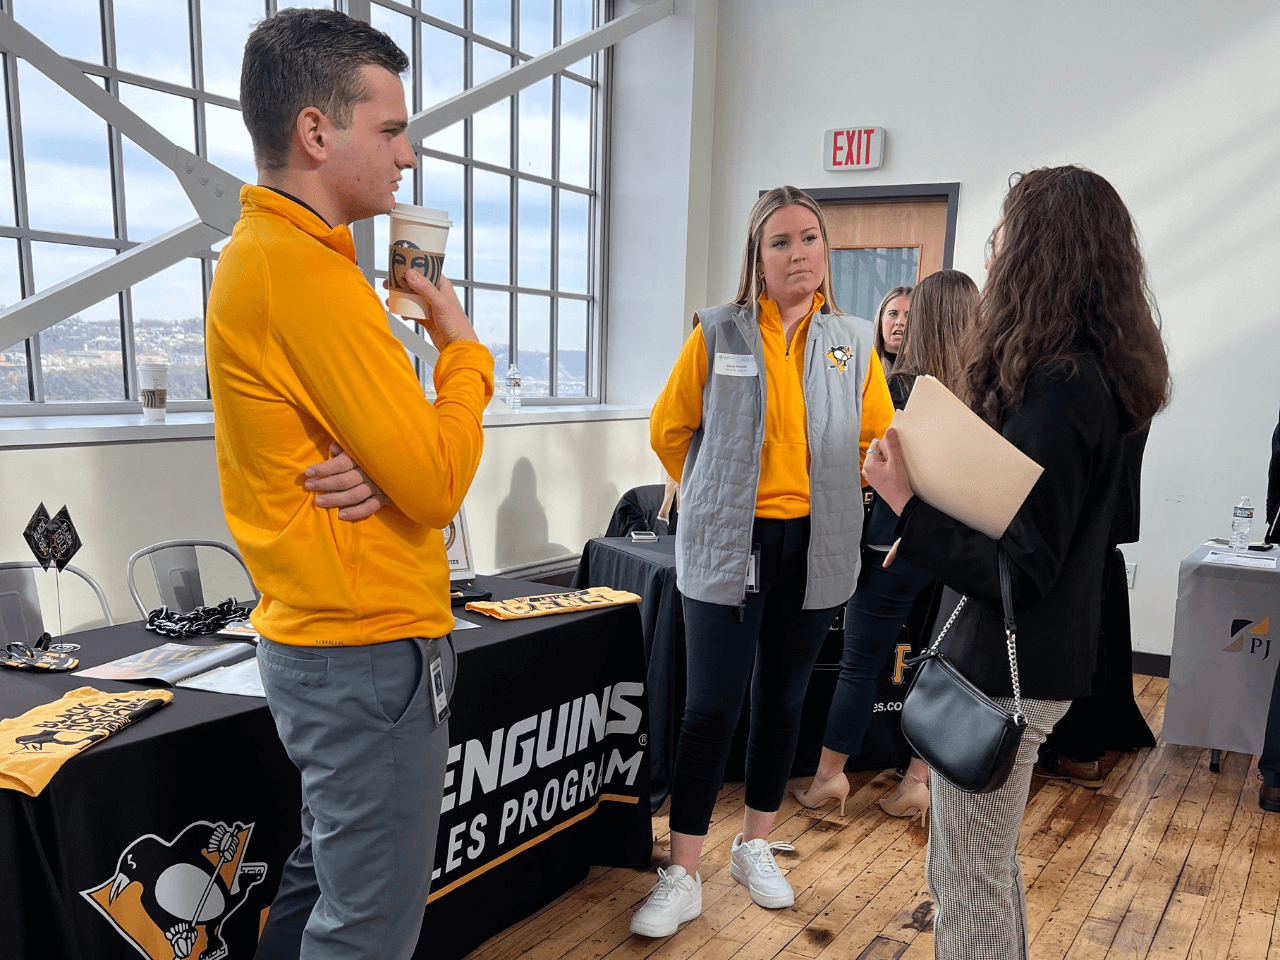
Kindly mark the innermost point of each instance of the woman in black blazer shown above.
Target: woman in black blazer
(1065, 358)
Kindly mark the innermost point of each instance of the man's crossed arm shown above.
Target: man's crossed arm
(341, 483)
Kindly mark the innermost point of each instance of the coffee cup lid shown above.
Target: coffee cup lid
(407, 211)
(152, 365)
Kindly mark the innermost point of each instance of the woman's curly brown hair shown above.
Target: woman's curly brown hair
(1066, 280)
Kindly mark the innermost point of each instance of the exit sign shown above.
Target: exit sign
(853, 148)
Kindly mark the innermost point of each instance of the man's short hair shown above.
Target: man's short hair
(304, 57)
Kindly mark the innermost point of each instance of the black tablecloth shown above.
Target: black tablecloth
(649, 570)
(210, 759)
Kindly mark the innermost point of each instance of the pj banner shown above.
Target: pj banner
(1224, 655)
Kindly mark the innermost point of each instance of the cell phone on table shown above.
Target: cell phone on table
(643, 536)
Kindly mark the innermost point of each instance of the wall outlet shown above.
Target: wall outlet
(1130, 573)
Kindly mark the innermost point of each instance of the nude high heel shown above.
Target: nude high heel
(911, 799)
(837, 788)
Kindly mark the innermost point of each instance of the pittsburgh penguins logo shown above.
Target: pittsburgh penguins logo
(170, 899)
(840, 357)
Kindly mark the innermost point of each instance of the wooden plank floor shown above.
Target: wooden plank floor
(1166, 860)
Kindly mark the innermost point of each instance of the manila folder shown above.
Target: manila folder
(958, 464)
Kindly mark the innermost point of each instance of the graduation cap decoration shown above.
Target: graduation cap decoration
(53, 540)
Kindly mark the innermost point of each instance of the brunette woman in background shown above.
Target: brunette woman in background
(942, 307)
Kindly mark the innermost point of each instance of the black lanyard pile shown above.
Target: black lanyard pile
(198, 622)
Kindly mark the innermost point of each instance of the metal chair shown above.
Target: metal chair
(20, 617)
(177, 572)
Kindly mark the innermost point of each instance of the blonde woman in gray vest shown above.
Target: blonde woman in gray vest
(764, 422)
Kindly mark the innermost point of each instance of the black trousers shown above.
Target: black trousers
(1107, 719)
(772, 643)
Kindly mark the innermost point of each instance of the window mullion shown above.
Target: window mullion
(115, 163)
(197, 44)
(22, 219)
(35, 367)
(597, 271)
(468, 175)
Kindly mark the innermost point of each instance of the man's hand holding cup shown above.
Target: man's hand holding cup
(446, 321)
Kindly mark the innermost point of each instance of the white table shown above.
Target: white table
(1226, 644)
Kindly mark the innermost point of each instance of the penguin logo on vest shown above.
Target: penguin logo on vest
(840, 357)
(170, 900)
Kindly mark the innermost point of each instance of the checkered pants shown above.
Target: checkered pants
(974, 875)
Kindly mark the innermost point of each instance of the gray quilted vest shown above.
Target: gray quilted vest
(722, 468)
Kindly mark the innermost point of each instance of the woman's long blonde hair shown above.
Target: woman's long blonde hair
(751, 282)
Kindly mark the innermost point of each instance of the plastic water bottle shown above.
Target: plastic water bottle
(513, 392)
(1241, 521)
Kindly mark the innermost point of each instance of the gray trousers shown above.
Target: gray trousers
(357, 723)
(975, 878)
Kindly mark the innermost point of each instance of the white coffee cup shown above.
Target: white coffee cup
(418, 238)
(153, 383)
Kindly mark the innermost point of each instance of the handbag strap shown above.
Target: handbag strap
(1010, 630)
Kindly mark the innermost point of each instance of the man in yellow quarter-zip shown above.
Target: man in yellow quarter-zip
(354, 616)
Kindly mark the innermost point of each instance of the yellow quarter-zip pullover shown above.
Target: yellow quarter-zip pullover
(300, 355)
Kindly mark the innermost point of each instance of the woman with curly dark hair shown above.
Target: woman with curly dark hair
(1065, 357)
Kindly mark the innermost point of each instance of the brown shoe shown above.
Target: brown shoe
(1269, 798)
(1083, 774)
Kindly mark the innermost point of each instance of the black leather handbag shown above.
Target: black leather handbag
(958, 730)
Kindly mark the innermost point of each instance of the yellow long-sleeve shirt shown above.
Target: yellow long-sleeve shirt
(299, 356)
(783, 491)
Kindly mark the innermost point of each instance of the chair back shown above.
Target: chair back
(20, 615)
(637, 509)
(177, 571)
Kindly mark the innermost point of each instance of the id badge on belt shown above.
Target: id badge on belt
(439, 699)
(753, 571)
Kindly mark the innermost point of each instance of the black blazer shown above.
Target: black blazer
(1057, 544)
(1125, 526)
(1273, 483)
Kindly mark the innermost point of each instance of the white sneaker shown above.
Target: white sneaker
(752, 865)
(675, 898)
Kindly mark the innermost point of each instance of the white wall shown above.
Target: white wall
(1177, 103)
(542, 491)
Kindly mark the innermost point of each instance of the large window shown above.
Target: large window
(519, 180)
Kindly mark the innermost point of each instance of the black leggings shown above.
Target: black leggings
(873, 620)
(783, 640)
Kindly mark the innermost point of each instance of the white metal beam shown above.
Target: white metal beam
(28, 317)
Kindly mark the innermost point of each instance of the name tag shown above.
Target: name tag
(736, 365)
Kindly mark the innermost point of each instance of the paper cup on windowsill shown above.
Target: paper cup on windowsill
(418, 238)
(153, 387)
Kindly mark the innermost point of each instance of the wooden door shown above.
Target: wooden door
(878, 245)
